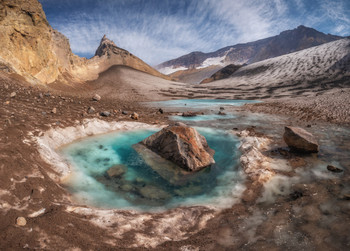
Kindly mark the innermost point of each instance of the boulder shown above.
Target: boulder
(168, 170)
(300, 140)
(183, 146)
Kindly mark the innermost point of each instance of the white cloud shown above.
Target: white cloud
(155, 33)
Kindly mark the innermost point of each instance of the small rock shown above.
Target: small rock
(189, 114)
(7, 102)
(127, 187)
(134, 116)
(161, 110)
(105, 114)
(308, 126)
(300, 140)
(96, 97)
(180, 124)
(91, 110)
(334, 169)
(346, 196)
(295, 195)
(297, 162)
(221, 113)
(21, 221)
(116, 171)
(54, 110)
(41, 95)
(140, 181)
(13, 94)
(235, 128)
(124, 112)
(154, 193)
(43, 113)
(48, 94)
(222, 108)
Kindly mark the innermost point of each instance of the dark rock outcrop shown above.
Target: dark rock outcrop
(223, 73)
(183, 146)
(300, 140)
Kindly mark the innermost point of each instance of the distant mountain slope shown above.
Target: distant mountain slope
(194, 76)
(30, 47)
(286, 42)
(223, 73)
(303, 73)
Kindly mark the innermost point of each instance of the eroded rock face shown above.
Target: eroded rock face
(300, 140)
(34, 50)
(182, 145)
(25, 38)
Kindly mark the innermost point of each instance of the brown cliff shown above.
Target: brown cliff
(31, 48)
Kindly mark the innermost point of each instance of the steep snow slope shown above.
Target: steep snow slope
(286, 42)
(303, 72)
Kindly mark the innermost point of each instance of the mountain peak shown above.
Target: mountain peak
(106, 45)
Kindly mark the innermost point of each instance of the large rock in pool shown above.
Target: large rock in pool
(183, 146)
(300, 140)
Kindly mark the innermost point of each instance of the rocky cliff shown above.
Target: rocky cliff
(31, 48)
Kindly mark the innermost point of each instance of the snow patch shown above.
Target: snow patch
(212, 61)
(171, 69)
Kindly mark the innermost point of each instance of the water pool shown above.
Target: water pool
(142, 188)
(201, 103)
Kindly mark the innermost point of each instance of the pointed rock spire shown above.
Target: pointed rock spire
(106, 45)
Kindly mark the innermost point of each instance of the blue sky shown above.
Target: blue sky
(159, 30)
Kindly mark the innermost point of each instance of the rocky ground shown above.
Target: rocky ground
(305, 215)
(332, 106)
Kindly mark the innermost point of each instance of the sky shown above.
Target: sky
(160, 30)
